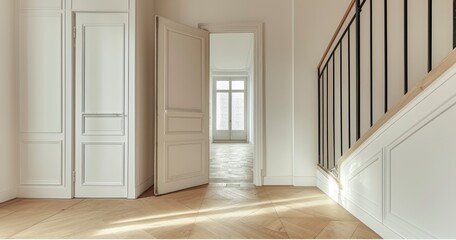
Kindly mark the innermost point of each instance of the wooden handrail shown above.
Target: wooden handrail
(347, 12)
(432, 76)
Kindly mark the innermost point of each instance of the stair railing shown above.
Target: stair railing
(349, 30)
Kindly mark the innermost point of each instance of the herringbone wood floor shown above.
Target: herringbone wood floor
(231, 163)
(203, 212)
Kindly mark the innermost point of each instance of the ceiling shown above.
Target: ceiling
(231, 51)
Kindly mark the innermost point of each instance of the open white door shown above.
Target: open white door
(182, 130)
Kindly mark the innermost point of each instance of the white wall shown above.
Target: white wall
(145, 101)
(278, 58)
(8, 101)
(315, 23)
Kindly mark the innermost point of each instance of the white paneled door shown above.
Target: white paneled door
(182, 156)
(101, 79)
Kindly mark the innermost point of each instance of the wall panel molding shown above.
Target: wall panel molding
(42, 4)
(41, 163)
(101, 5)
(397, 220)
(363, 183)
(42, 72)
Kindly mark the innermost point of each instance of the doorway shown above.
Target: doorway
(256, 85)
(232, 72)
(183, 97)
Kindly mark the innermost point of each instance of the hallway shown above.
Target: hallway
(231, 163)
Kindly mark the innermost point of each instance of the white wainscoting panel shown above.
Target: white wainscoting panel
(41, 74)
(100, 5)
(363, 183)
(421, 202)
(41, 4)
(41, 163)
(45, 162)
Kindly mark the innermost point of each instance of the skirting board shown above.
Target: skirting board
(142, 187)
(291, 181)
(331, 188)
(305, 181)
(278, 181)
(6, 195)
(33, 192)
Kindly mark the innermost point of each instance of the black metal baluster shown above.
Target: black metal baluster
(323, 115)
(334, 108)
(358, 69)
(429, 35)
(327, 116)
(406, 47)
(386, 54)
(349, 89)
(319, 116)
(371, 65)
(454, 23)
(340, 101)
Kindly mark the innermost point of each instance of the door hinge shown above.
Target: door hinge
(74, 176)
(74, 32)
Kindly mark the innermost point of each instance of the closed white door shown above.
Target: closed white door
(230, 109)
(101, 79)
(182, 156)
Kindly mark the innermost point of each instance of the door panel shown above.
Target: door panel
(182, 158)
(103, 164)
(101, 100)
(103, 49)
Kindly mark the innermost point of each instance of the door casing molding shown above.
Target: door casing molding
(258, 90)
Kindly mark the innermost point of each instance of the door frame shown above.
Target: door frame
(258, 88)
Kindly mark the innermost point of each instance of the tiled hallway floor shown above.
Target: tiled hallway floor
(231, 163)
(203, 212)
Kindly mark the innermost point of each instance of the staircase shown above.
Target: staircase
(386, 116)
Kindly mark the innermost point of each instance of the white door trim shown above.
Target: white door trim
(132, 172)
(258, 102)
